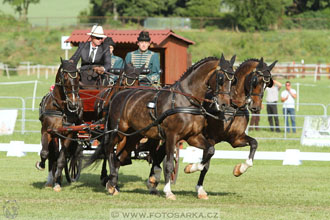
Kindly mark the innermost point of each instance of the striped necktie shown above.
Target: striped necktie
(91, 56)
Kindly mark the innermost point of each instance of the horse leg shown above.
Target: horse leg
(53, 154)
(104, 172)
(61, 162)
(45, 142)
(170, 144)
(58, 174)
(200, 141)
(241, 168)
(114, 165)
(201, 193)
(155, 171)
(113, 177)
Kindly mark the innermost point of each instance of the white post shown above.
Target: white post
(297, 97)
(66, 54)
(34, 94)
(28, 68)
(315, 74)
(7, 71)
(46, 75)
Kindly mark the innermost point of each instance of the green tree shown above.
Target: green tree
(21, 6)
(134, 8)
(253, 15)
(300, 6)
(200, 8)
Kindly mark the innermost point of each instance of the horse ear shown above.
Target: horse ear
(222, 59)
(232, 61)
(261, 63)
(272, 66)
(61, 59)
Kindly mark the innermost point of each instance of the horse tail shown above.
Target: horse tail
(95, 157)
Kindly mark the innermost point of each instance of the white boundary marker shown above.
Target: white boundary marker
(192, 154)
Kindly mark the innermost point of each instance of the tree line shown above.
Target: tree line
(247, 15)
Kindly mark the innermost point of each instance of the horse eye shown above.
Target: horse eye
(221, 79)
(254, 81)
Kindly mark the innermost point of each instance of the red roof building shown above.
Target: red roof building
(172, 48)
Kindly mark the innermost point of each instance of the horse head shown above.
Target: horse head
(131, 74)
(67, 80)
(221, 81)
(255, 85)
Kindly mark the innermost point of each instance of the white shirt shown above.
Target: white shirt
(289, 103)
(90, 51)
(272, 94)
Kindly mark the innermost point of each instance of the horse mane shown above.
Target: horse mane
(195, 66)
(242, 65)
(57, 79)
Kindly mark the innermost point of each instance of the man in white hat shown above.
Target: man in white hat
(93, 57)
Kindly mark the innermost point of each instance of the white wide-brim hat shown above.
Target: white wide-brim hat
(97, 31)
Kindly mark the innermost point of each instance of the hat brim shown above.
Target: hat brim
(97, 35)
(144, 39)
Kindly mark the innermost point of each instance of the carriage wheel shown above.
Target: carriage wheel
(175, 173)
(73, 165)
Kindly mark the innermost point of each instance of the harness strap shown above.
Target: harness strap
(161, 118)
(161, 132)
(54, 113)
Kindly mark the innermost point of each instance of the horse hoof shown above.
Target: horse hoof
(187, 169)
(57, 188)
(39, 167)
(154, 192)
(152, 182)
(171, 197)
(112, 190)
(203, 196)
(237, 171)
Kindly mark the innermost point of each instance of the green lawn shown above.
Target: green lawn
(267, 191)
(66, 10)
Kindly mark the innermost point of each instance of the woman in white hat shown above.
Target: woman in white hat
(92, 54)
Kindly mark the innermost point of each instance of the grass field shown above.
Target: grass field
(52, 9)
(267, 191)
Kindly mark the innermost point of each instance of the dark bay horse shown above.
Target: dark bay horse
(129, 77)
(59, 107)
(253, 77)
(171, 114)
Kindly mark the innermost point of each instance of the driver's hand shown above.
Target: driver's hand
(99, 69)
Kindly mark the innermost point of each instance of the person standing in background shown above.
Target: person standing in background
(272, 99)
(288, 97)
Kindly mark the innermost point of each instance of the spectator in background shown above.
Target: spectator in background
(288, 97)
(271, 99)
(254, 123)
